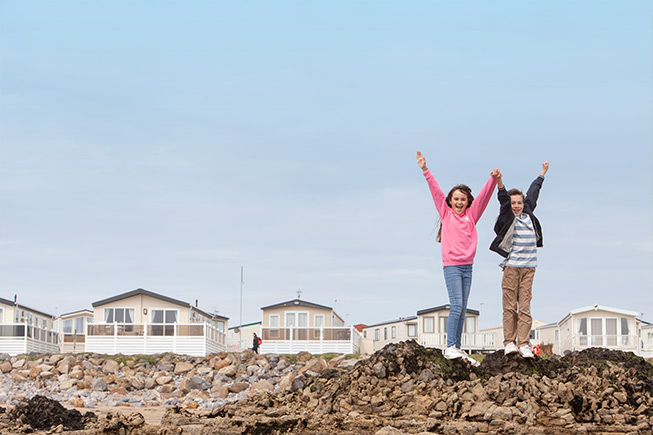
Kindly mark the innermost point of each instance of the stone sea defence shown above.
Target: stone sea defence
(403, 388)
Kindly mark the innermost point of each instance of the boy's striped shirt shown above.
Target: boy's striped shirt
(523, 252)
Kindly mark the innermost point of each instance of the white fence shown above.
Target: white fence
(196, 339)
(628, 343)
(345, 340)
(646, 347)
(20, 338)
(470, 340)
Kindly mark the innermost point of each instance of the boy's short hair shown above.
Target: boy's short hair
(512, 192)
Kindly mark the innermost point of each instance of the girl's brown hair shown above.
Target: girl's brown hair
(470, 198)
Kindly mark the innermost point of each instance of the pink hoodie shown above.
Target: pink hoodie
(459, 230)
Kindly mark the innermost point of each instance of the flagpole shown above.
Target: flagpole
(241, 307)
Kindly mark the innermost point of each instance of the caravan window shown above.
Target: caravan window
(625, 331)
(79, 325)
(582, 332)
(119, 315)
(429, 325)
(412, 330)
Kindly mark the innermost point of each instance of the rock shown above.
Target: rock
(166, 389)
(303, 356)
(183, 367)
(297, 384)
(5, 367)
(17, 377)
(228, 371)
(137, 383)
(54, 359)
(260, 387)
(621, 397)
(286, 381)
(76, 373)
(197, 383)
(220, 392)
(110, 366)
(63, 367)
(99, 384)
(162, 380)
(379, 370)
(221, 364)
(237, 387)
(426, 375)
(66, 384)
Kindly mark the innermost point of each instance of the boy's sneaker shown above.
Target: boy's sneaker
(452, 353)
(510, 348)
(525, 351)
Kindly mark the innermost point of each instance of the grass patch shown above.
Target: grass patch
(329, 356)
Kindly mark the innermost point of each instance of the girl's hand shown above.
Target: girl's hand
(545, 167)
(421, 161)
(497, 175)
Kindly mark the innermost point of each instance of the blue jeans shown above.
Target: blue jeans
(459, 283)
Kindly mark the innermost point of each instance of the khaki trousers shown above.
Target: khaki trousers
(517, 287)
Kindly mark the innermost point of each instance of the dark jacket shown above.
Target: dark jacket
(505, 225)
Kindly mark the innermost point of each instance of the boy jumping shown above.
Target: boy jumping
(519, 234)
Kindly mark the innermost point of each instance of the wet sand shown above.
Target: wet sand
(152, 414)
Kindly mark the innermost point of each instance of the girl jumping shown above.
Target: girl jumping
(459, 213)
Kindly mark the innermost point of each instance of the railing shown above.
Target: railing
(196, 339)
(16, 338)
(469, 340)
(292, 339)
(610, 341)
(646, 345)
(580, 342)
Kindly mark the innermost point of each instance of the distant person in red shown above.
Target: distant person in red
(256, 342)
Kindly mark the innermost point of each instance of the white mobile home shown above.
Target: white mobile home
(594, 326)
(24, 329)
(144, 322)
(298, 325)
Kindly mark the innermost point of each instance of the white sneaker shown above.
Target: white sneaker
(452, 353)
(469, 359)
(510, 348)
(525, 352)
(473, 362)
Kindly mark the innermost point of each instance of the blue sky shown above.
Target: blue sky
(163, 145)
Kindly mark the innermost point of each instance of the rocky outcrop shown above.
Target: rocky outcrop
(403, 388)
(406, 388)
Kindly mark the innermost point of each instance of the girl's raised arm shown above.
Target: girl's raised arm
(439, 198)
(480, 202)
